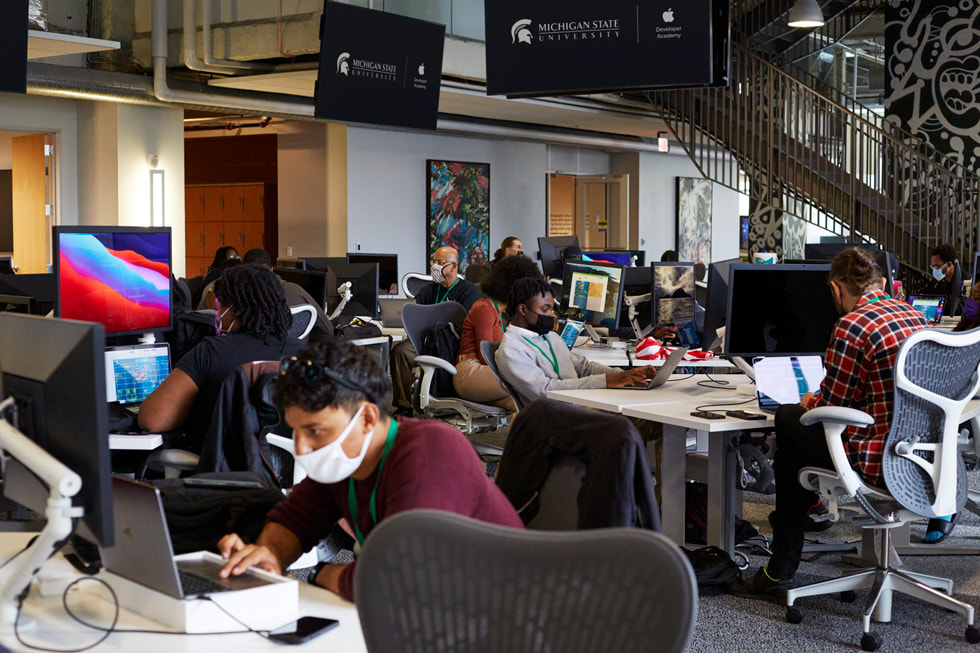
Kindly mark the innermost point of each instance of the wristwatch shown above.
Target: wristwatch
(316, 571)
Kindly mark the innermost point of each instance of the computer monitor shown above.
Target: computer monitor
(637, 282)
(363, 278)
(318, 285)
(976, 269)
(321, 263)
(779, 309)
(550, 252)
(638, 257)
(672, 293)
(743, 232)
(604, 256)
(117, 276)
(55, 371)
(716, 306)
(290, 262)
(41, 287)
(592, 293)
(387, 269)
(829, 251)
(6, 265)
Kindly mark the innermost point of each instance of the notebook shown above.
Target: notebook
(785, 379)
(134, 371)
(929, 305)
(391, 311)
(663, 374)
(143, 552)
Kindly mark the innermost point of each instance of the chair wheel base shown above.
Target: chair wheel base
(793, 615)
(972, 634)
(870, 642)
(848, 596)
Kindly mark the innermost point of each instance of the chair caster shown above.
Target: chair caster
(972, 634)
(793, 615)
(848, 596)
(870, 642)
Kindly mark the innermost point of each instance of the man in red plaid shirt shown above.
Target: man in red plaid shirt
(860, 361)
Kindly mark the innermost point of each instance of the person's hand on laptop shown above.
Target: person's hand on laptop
(241, 556)
(636, 376)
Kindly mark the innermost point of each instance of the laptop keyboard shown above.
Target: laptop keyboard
(195, 584)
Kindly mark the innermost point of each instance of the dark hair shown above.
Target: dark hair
(256, 296)
(334, 374)
(572, 251)
(944, 251)
(699, 270)
(222, 254)
(499, 254)
(523, 290)
(670, 256)
(856, 269)
(505, 273)
(258, 256)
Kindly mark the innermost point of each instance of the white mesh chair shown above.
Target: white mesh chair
(413, 282)
(430, 581)
(936, 374)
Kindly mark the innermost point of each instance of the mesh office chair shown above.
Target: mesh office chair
(304, 319)
(936, 374)
(436, 581)
(489, 351)
(413, 282)
(468, 416)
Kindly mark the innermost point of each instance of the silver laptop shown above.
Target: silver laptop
(783, 380)
(143, 552)
(391, 311)
(133, 372)
(663, 374)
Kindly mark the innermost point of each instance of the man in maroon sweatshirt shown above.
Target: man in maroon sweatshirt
(361, 465)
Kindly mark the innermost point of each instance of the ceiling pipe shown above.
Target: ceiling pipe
(542, 136)
(190, 51)
(211, 60)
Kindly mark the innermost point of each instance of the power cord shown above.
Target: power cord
(64, 602)
(725, 405)
(719, 384)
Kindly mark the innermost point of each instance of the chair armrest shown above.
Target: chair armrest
(836, 415)
(435, 361)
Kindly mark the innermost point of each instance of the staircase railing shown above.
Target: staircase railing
(782, 143)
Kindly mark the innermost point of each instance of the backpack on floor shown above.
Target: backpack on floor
(714, 570)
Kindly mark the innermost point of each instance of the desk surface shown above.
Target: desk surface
(681, 388)
(617, 358)
(679, 414)
(56, 630)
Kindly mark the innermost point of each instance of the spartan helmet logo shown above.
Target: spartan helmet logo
(342, 66)
(520, 32)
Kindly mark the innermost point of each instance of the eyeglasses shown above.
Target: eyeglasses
(442, 263)
(314, 373)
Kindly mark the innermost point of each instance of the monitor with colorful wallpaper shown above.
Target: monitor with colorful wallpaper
(119, 276)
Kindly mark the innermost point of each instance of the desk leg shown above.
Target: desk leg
(721, 492)
(672, 488)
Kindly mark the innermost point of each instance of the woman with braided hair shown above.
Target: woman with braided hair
(252, 322)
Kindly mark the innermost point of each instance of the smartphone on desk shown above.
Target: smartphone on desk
(302, 630)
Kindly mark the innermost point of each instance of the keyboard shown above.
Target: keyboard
(194, 584)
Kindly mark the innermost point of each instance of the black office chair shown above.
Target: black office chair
(413, 282)
(436, 581)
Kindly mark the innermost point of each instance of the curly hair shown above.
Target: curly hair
(523, 290)
(944, 251)
(505, 272)
(334, 374)
(856, 269)
(256, 296)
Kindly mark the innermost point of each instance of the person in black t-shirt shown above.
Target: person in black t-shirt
(252, 322)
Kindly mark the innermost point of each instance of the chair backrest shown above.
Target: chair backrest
(936, 374)
(489, 351)
(304, 319)
(417, 317)
(473, 272)
(436, 581)
(413, 282)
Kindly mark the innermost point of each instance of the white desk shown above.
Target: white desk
(681, 388)
(58, 631)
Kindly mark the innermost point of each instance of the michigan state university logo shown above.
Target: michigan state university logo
(520, 32)
(343, 65)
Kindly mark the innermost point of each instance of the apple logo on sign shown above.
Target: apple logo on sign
(668, 15)
(421, 69)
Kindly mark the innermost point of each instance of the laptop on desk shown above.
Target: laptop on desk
(391, 311)
(783, 380)
(132, 372)
(663, 374)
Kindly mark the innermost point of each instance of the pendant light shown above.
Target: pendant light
(806, 13)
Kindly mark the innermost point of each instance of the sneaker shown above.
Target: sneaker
(762, 587)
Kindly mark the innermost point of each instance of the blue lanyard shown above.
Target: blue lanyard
(372, 506)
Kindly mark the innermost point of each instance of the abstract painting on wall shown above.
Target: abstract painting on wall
(694, 219)
(458, 210)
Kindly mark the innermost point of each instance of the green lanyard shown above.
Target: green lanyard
(554, 358)
(448, 290)
(499, 319)
(372, 506)
(871, 301)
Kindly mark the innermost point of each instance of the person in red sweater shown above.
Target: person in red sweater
(474, 380)
(361, 465)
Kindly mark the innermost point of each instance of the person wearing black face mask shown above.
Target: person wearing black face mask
(534, 359)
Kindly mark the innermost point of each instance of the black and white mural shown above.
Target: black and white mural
(933, 73)
(765, 218)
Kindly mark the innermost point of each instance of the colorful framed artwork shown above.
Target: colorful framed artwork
(694, 219)
(458, 210)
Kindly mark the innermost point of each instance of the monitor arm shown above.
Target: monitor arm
(345, 296)
(631, 302)
(63, 484)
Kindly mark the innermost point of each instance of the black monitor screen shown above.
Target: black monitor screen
(779, 309)
(321, 263)
(829, 251)
(387, 269)
(716, 306)
(636, 282)
(672, 293)
(55, 371)
(550, 250)
(592, 293)
(363, 278)
(317, 284)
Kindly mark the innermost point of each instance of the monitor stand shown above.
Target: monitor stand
(148, 338)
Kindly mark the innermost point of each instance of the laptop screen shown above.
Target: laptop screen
(785, 379)
(134, 372)
(929, 305)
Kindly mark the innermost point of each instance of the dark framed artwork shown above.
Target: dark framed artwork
(694, 219)
(458, 210)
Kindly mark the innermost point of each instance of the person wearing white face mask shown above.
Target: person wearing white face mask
(361, 465)
(947, 278)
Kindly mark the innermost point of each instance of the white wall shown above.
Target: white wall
(302, 188)
(386, 190)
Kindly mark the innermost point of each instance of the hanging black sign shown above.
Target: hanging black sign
(13, 46)
(379, 68)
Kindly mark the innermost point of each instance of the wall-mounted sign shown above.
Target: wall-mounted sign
(550, 47)
(379, 68)
(13, 46)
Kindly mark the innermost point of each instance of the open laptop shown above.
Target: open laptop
(929, 305)
(785, 379)
(143, 552)
(663, 374)
(132, 372)
(391, 311)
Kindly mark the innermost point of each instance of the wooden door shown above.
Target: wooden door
(30, 222)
